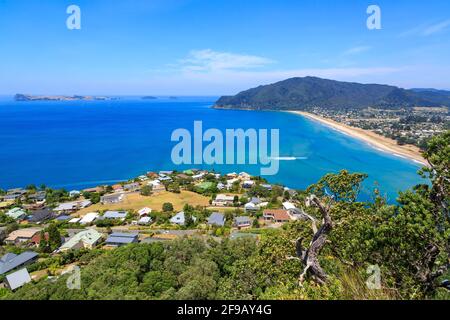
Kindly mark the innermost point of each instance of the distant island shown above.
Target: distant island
(26, 97)
(149, 98)
(312, 92)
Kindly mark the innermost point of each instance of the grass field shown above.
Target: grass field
(135, 201)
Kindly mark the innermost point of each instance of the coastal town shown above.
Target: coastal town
(406, 126)
(40, 225)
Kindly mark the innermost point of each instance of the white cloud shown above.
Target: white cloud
(357, 50)
(425, 30)
(208, 60)
(436, 28)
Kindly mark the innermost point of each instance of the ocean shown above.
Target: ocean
(79, 144)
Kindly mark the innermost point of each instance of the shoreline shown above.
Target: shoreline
(373, 139)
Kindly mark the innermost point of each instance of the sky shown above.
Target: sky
(217, 47)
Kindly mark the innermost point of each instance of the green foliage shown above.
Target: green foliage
(167, 207)
(146, 190)
(312, 92)
(344, 186)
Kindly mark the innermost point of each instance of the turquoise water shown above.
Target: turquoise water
(85, 143)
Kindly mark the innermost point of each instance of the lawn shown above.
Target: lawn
(135, 201)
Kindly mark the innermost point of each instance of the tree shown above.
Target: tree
(54, 237)
(167, 207)
(95, 197)
(344, 186)
(146, 190)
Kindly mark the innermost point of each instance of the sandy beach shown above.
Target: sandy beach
(373, 139)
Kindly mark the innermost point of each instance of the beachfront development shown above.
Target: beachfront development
(374, 139)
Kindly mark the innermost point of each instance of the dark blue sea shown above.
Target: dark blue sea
(80, 144)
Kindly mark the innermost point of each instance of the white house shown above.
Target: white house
(144, 211)
(180, 218)
(89, 218)
(223, 200)
(288, 205)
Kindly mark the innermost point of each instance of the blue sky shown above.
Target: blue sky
(212, 47)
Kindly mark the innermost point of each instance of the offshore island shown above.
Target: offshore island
(26, 97)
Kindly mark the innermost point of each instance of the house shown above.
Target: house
(242, 222)
(152, 175)
(144, 221)
(131, 187)
(232, 175)
(163, 178)
(115, 215)
(165, 173)
(117, 188)
(21, 235)
(244, 176)
(75, 220)
(36, 239)
(217, 219)
(288, 205)
(143, 178)
(74, 193)
(156, 186)
(17, 279)
(11, 261)
(183, 176)
(220, 186)
(16, 213)
(6, 204)
(37, 196)
(63, 218)
(223, 200)
(144, 211)
(251, 207)
(112, 198)
(93, 190)
(14, 194)
(256, 201)
(198, 176)
(278, 215)
(73, 206)
(119, 239)
(84, 239)
(89, 218)
(41, 215)
(292, 193)
(180, 219)
(267, 186)
(248, 184)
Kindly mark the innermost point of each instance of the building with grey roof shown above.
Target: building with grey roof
(242, 221)
(217, 219)
(115, 215)
(17, 279)
(112, 198)
(117, 239)
(11, 261)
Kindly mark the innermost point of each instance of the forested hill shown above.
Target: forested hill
(309, 92)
